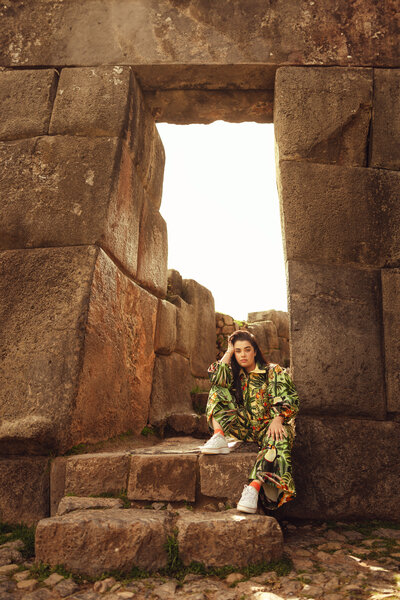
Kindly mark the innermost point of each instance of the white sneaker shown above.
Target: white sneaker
(248, 501)
(217, 444)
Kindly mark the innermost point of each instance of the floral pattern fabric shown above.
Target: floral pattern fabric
(267, 392)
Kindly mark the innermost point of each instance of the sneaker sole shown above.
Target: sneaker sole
(246, 509)
(215, 451)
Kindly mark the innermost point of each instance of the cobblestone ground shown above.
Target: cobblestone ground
(331, 561)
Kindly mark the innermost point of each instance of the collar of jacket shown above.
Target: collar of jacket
(258, 369)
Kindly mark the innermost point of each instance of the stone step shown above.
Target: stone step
(172, 471)
(91, 542)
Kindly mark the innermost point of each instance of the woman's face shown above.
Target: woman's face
(245, 354)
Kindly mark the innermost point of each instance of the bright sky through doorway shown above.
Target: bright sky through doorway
(220, 202)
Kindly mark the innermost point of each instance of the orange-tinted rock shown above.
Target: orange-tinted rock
(219, 539)
(96, 474)
(153, 251)
(162, 477)
(75, 328)
(91, 542)
(224, 476)
(24, 489)
(26, 99)
(165, 340)
(172, 384)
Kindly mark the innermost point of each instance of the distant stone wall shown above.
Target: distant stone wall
(271, 329)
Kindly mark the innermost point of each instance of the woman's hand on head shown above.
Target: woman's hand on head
(230, 349)
(276, 429)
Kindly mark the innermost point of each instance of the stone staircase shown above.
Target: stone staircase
(116, 510)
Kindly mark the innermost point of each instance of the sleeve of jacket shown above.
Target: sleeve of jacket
(285, 401)
(220, 374)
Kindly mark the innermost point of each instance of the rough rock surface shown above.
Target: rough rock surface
(69, 504)
(172, 383)
(95, 474)
(386, 125)
(163, 478)
(95, 541)
(224, 476)
(391, 323)
(153, 251)
(334, 306)
(26, 99)
(306, 130)
(228, 537)
(24, 489)
(165, 339)
(189, 34)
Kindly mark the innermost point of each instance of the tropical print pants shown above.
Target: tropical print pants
(273, 465)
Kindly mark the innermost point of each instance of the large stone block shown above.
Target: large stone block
(96, 474)
(339, 214)
(228, 538)
(385, 122)
(391, 325)
(76, 329)
(345, 469)
(26, 100)
(93, 101)
(65, 191)
(163, 477)
(153, 251)
(224, 476)
(24, 489)
(172, 384)
(165, 339)
(203, 333)
(184, 325)
(336, 333)
(191, 36)
(266, 335)
(91, 542)
(185, 107)
(323, 115)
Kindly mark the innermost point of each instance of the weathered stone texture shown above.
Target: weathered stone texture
(386, 123)
(70, 504)
(279, 317)
(339, 214)
(26, 100)
(228, 538)
(76, 329)
(24, 489)
(184, 325)
(345, 468)
(153, 251)
(336, 339)
(323, 115)
(92, 102)
(44, 298)
(185, 34)
(91, 542)
(65, 191)
(188, 424)
(185, 107)
(203, 334)
(174, 282)
(224, 476)
(391, 324)
(163, 477)
(116, 378)
(172, 383)
(165, 339)
(95, 474)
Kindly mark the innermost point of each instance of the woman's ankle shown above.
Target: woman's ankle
(218, 430)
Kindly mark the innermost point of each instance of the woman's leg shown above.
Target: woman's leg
(223, 412)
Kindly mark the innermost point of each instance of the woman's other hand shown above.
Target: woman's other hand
(276, 429)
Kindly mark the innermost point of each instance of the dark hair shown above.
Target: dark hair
(243, 335)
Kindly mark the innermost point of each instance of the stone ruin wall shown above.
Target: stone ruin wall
(271, 329)
(83, 282)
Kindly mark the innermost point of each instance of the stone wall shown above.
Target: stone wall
(90, 345)
(271, 329)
